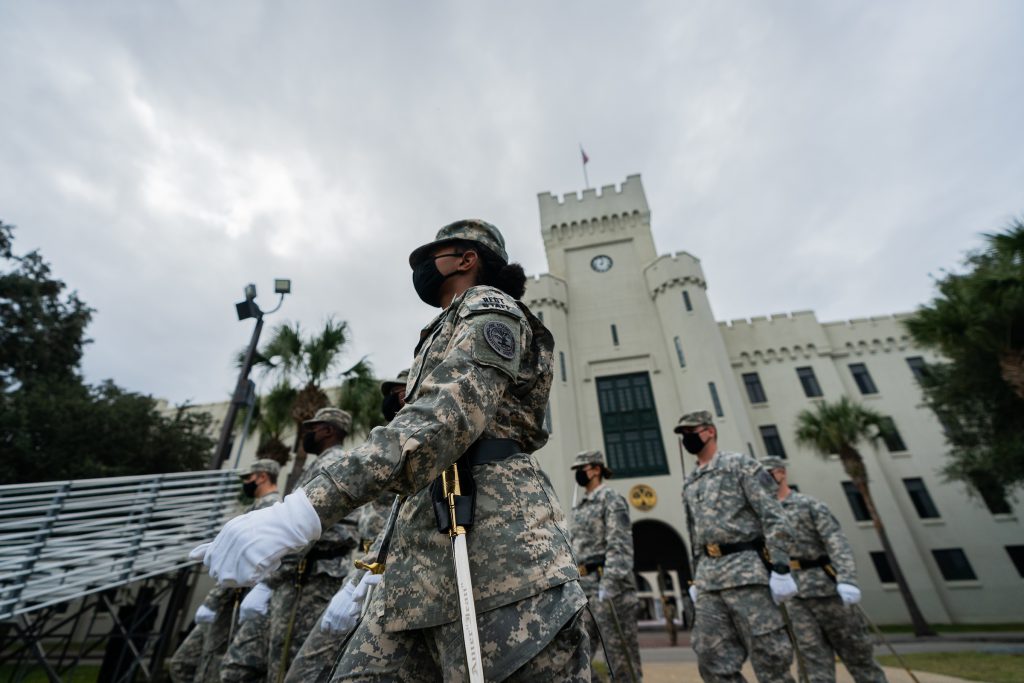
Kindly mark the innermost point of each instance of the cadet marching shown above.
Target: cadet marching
(437, 550)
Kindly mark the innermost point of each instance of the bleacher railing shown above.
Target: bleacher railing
(63, 540)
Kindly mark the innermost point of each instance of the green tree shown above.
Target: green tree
(976, 324)
(52, 424)
(837, 428)
(309, 363)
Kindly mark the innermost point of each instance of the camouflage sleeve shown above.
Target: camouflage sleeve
(219, 598)
(778, 533)
(695, 555)
(452, 406)
(618, 553)
(839, 550)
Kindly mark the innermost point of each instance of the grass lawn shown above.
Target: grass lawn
(974, 666)
(956, 628)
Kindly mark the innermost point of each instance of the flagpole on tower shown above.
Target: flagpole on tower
(585, 159)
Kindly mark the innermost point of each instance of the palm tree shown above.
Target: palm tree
(272, 417)
(837, 428)
(309, 362)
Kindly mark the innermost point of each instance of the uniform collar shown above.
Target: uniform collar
(591, 494)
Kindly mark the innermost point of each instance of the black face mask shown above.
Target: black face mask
(427, 280)
(249, 489)
(391, 405)
(581, 477)
(310, 445)
(692, 442)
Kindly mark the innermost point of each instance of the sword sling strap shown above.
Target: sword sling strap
(604, 643)
(301, 573)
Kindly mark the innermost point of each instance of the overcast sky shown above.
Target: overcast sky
(825, 156)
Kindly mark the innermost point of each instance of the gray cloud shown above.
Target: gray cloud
(164, 154)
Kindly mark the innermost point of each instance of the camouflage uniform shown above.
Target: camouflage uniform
(321, 649)
(731, 500)
(198, 658)
(322, 581)
(602, 535)
(825, 627)
(482, 371)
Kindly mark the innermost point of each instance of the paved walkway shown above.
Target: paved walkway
(664, 663)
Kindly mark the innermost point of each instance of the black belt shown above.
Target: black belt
(484, 451)
(824, 562)
(723, 549)
(325, 554)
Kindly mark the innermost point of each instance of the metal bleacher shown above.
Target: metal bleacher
(67, 546)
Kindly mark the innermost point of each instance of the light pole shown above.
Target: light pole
(245, 309)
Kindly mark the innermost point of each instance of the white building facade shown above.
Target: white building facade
(637, 345)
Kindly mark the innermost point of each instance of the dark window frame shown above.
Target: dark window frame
(858, 506)
(891, 436)
(715, 401)
(629, 423)
(809, 382)
(919, 496)
(862, 378)
(615, 335)
(679, 352)
(755, 390)
(1016, 553)
(686, 301)
(953, 564)
(772, 440)
(561, 363)
(882, 567)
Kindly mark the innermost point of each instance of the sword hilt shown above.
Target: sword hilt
(451, 488)
(372, 567)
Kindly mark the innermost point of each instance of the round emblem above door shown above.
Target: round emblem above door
(643, 497)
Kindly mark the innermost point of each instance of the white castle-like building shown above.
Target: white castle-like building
(637, 345)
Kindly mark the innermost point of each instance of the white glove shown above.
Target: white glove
(783, 587)
(693, 593)
(342, 614)
(603, 593)
(255, 603)
(251, 546)
(205, 615)
(849, 593)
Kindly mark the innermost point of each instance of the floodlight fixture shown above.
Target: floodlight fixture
(250, 291)
(282, 286)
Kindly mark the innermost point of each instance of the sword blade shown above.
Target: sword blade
(464, 585)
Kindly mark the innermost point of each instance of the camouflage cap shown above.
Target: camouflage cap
(471, 230)
(591, 458)
(773, 462)
(401, 380)
(342, 419)
(267, 465)
(697, 418)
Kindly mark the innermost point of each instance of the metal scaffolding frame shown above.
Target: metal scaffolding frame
(93, 562)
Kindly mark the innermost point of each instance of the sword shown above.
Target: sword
(801, 666)
(464, 584)
(378, 565)
(885, 640)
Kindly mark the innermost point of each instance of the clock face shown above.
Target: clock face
(601, 263)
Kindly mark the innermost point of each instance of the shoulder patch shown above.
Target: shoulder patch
(767, 479)
(499, 336)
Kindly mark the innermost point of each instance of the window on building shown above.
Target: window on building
(540, 316)
(679, 353)
(714, 400)
(547, 418)
(918, 367)
(809, 382)
(629, 420)
(919, 496)
(686, 301)
(750, 449)
(882, 567)
(954, 565)
(615, 335)
(863, 378)
(856, 500)
(1016, 553)
(992, 492)
(755, 392)
(891, 436)
(772, 441)
(561, 364)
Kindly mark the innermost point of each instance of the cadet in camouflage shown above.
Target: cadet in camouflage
(824, 620)
(480, 378)
(602, 538)
(734, 521)
(302, 589)
(199, 656)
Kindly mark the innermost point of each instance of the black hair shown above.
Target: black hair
(508, 277)
(272, 476)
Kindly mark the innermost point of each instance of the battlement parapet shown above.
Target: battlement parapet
(546, 290)
(674, 270)
(592, 212)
